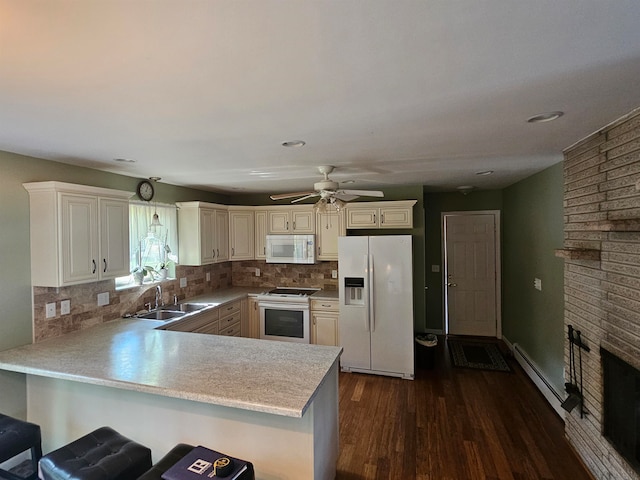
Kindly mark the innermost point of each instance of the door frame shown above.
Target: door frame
(498, 265)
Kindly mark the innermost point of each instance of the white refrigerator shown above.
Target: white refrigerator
(376, 305)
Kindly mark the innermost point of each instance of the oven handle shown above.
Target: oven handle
(284, 306)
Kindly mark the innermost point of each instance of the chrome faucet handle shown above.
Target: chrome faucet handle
(148, 305)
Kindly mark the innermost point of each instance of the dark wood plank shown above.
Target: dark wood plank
(451, 424)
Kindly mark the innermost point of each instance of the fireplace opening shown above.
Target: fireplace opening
(621, 407)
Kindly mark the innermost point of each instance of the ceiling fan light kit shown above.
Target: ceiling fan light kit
(329, 192)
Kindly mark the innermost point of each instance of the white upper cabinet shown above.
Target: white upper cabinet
(241, 236)
(261, 235)
(295, 219)
(203, 233)
(391, 214)
(79, 234)
(329, 226)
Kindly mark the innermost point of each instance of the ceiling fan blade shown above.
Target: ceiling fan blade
(282, 196)
(363, 193)
(345, 198)
(311, 195)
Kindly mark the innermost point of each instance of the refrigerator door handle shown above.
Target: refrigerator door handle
(366, 292)
(372, 309)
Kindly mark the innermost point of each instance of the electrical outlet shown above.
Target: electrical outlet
(334, 273)
(103, 299)
(65, 307)
(208, 276)
(537, 284)
(257, 272)
(50, 310)
(183, 282)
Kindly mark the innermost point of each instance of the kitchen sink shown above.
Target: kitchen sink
(162, 315)
(192, 307)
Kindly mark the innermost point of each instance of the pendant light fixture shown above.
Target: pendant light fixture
(155, 220)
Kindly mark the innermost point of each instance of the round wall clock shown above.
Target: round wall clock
(145, 190)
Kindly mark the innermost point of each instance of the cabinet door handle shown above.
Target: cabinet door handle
(382, 218)
(452, 284)
(294, 225)
(104, 270)
(218, 251)
(214, 253)
(94, 266)
(287, 225)
(264, 250)
(233, 251)
(374, 218)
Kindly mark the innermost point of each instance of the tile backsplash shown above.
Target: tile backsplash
(85, 311)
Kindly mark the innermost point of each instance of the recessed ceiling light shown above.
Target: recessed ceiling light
(545, 117)
(294, 143)
(485, 173)
(124, 160)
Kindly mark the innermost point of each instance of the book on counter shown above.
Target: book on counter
(204, 463)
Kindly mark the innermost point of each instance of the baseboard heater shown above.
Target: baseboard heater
(552, 396)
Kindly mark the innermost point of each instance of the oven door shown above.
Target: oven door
(284, 322)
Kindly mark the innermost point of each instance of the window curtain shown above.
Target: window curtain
(152, 246)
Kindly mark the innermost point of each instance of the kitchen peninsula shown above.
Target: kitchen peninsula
(272, 403)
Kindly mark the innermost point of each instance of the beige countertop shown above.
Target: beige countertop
(279, 378)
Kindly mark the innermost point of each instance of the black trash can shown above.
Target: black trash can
(425, 351)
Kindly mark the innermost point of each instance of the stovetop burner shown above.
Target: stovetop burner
(292, 292)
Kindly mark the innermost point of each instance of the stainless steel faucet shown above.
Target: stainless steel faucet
(159, 302)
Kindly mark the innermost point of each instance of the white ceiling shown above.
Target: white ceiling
(202, 93)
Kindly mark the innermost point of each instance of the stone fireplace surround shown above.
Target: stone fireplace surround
(602, 274)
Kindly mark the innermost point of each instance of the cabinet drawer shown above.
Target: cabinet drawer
(228, 320)
(324, 305)
(229, 308)
(230, 330)
(210, 328)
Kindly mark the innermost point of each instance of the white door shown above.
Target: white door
(470, 274)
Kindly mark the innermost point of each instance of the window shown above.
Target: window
(153, 249)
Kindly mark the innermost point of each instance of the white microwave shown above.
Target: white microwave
(291, 249)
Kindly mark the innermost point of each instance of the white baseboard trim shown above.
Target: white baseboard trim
(536, 376)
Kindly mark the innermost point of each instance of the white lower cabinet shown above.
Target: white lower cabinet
(324, 319)
(253, 318)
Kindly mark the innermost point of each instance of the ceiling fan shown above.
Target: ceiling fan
(329, 192)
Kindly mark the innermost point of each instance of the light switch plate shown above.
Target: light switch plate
(334, 273)
(208, 276)
(50, 310)
(257, 272)
(183, 282)
(537, 284)
(65, 307)
(103, 299)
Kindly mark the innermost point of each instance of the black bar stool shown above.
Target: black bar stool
(17, 436)
(102, 454)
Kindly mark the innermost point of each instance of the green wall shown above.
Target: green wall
(435, 204)
(532, 228)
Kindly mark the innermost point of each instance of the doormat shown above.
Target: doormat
(478, 355)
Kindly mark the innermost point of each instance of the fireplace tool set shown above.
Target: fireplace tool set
(574, 386)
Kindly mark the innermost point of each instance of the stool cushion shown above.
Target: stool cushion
(175, 454)
(16, 436)
(103, 454)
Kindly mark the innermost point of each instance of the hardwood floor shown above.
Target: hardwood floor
(451, 424)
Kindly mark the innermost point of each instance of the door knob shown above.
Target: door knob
(452, 284)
